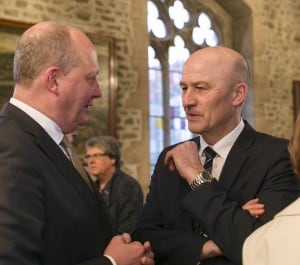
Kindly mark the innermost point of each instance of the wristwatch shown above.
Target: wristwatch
(201, 178)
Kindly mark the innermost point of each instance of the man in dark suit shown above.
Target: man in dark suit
(194, 212)
(48, 213)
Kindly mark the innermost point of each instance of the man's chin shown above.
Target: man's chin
(194, 129)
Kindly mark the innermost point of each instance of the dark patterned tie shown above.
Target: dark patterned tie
(209, 157)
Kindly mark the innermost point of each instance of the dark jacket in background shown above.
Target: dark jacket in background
(124, 198)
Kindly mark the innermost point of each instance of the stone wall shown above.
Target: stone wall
(276, 46)
(274, 51)
(124, 20)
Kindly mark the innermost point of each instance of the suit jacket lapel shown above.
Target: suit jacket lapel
(237, 156)
(54, 153)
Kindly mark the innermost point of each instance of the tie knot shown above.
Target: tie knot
(65, 142)
(209, 152)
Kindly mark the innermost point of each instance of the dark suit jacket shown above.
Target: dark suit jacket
(125, 202)
(48, 215)
(258, 165)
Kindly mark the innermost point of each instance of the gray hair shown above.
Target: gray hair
(108, 144)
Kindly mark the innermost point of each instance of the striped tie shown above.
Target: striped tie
(209, 156)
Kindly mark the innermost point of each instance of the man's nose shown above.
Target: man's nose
(188, 98)
(97, 90)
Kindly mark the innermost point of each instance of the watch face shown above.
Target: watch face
(206, 176)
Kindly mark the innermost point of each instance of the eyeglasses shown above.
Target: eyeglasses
(95, 156)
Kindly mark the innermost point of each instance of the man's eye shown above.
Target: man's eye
(183, 88)
(201, 88)
(91, 80)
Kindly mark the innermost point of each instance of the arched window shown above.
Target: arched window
(175, 31)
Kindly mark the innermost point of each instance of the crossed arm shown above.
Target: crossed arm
(210, 248)
(191, 165)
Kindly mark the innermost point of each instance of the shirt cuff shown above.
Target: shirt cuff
(111, 259)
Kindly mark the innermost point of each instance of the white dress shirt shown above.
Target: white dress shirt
(46, 123)
(222, 148)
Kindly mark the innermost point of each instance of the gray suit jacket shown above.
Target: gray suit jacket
(48, 215)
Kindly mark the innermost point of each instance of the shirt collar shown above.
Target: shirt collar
(223, 146)
(46, 123)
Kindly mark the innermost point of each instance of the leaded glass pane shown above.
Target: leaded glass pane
(155, 24)
(177, 54)
(179, 14)
(153, 62)
(204, 32)
(156, 93)
(179, 131)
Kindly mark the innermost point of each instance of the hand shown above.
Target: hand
(185, 158)
(148, 258)
(210, 249)
(255, 208)
(127, 252)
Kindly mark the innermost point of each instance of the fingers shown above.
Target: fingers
(255, 208)
(147, 247)
(249, 203)
(126, 238)
(147, 261)
(179, 155)
(169, 161)
(148, 258)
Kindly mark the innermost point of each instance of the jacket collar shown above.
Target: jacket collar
(237, 155)
(52, 151)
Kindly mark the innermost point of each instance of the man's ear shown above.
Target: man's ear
(113, 161)
(239, 94)
(51, 75)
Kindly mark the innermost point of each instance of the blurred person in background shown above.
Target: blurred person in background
(122, 193)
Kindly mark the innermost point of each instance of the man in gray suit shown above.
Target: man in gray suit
(48, 213)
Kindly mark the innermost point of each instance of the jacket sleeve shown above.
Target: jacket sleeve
(21, 208)
(267, 176)
(129, 204)
(169, 242)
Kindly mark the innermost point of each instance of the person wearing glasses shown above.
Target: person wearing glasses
(122, 193)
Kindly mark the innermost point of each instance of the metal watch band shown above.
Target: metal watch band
(201, 178)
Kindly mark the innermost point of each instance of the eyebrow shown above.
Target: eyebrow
(195, 83)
